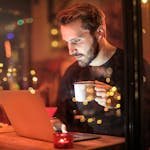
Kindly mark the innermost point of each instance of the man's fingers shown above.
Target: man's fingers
(100, 89)
(101, 94)
(101, 85)
(63, 128)
(101, 101)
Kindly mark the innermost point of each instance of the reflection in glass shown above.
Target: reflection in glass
(145, 7)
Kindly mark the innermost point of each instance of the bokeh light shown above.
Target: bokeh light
(10, 36)
(54, 43)
(54, 31)
(20, 22)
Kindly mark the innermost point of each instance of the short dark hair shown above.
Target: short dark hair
(90, 16)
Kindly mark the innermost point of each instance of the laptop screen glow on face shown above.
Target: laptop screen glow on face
(27, 114)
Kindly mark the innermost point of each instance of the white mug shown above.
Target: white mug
(84, 91)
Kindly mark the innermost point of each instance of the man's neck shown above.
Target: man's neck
(106, 51)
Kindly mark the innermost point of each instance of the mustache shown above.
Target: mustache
(77, 54)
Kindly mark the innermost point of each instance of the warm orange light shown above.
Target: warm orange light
(54, 43)
(7, 46)
(1, 65)
(31, 90)
(54, 31)
(32, 72)
(144, 1)
(99, 121)
(34, 79)
(25, 79)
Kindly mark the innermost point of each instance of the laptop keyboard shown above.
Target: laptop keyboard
(84, 136)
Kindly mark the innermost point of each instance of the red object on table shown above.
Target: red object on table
(51, 111)
(63, 140)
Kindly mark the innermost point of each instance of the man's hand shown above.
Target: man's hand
(106, 95)
(58, 126)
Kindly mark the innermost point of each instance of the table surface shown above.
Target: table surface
(9, 140)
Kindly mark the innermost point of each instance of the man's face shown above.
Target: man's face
(81, 44)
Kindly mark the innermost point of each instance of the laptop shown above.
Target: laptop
(27, 114)
(77, 136)
(29, 118)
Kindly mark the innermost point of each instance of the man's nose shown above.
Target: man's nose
(72, 49)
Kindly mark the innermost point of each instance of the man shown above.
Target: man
(83, 28)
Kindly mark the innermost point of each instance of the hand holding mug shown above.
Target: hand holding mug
(106, 95)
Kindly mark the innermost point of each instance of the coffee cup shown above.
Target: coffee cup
(84, 91)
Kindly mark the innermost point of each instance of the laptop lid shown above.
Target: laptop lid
(27, 114)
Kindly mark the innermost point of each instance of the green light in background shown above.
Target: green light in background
(20, 22)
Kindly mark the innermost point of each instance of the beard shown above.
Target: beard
(93, 51)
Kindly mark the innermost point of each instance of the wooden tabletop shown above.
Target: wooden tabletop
(11, 141)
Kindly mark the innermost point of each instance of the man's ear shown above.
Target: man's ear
(100, 32)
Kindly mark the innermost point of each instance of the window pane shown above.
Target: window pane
(145, 7)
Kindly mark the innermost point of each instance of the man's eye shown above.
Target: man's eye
(76, 41)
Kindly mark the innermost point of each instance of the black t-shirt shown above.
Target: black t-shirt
(92, 118)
